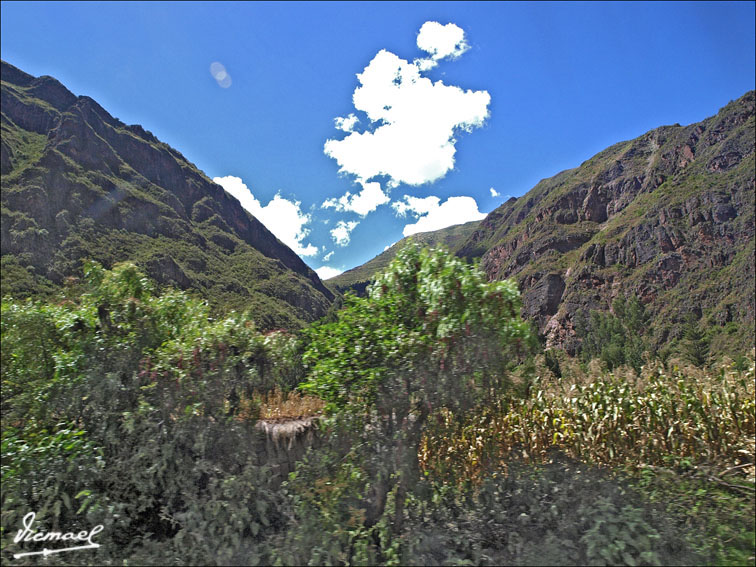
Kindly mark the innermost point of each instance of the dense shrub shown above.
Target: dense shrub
(133, 409)
(560, 513)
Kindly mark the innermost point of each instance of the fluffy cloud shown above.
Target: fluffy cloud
(347, 123)
(440, 42)
(494, 192)
(327, 257)
(364, 202)
(282, 217)
(326, 272)
(431, 214)
(413, 121)
(415, 205)
(342, 232)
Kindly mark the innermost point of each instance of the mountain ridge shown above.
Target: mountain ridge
(358, 278)
(79, 183)
(667, 216)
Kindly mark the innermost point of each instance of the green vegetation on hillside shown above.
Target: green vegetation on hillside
(617, 339)
(358, 279)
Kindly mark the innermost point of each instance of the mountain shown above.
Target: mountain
(667, 217)
(357, 279)
(78, 183)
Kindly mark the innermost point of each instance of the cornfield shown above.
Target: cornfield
(607, 419)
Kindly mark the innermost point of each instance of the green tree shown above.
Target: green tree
(617, 338)
(433, 335)
(695, 343)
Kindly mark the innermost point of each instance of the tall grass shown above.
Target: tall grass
(664, 415)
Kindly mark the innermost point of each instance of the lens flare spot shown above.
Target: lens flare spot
(219, 73)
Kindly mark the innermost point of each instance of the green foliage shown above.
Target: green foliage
(359, 278)
(717, 519)
(134, 409)
(616, 339)
(552, 363)
(124, 408)
(561, 513)
(432, 323)
(695, 343)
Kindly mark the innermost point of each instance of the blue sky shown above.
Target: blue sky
(457, 107)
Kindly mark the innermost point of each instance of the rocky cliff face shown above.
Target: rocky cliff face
(668, 217)
(78, 183)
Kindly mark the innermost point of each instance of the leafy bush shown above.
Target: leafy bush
(134, 410)
(561, 513)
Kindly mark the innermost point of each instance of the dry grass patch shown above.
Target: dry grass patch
(291, 405)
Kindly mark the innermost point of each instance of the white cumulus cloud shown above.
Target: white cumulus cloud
(413, 121)
(494, 192)
(327, 257)
(441, 42)
(342, 232)
(327, 272)
(364, 202)
(431, 214)
(281, 216)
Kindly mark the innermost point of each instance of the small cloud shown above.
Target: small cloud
(434, 215)
(415, 205)
(281, 216)
(425, 64)
(366, 201)
(327, 272)
(219, 73)
(494, 192)
(346, 124)
(441, 42)
(327, 257)
(341, 234)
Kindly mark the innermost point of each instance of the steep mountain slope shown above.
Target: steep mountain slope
(78, 183)
(358, 278)
(668, 217)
